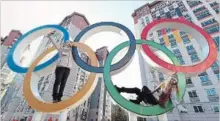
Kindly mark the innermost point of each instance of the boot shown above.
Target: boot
(181, 109)
(118, 89)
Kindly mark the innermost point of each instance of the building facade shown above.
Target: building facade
(19, 109)
(100, 102)
(201, 98)
(74, 23)
(6, 74)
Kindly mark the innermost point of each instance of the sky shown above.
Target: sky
(26, 15)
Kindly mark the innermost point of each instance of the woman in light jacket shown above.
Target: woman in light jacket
(64, 64)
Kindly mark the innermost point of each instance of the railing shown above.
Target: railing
(190, 85)
(214, 98)
(194, 99)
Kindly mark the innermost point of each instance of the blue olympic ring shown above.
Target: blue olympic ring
(115, 66)
(19, 69)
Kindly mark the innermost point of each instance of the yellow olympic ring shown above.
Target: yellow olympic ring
(75, 100)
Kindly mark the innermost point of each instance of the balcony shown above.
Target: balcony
(212, 29)
(193, 4)
(214, 4)
(216, 9)
(214, 98)
(194, 99)
(206, 83)
(203, 15)
(205, 26)
(199, 10)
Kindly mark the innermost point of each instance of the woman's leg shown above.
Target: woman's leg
(128, 90)
(63, 83)
(135, 101)
(175, 102)
(58, 77)
(148, 97)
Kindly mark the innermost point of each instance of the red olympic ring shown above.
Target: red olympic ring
(200, 67)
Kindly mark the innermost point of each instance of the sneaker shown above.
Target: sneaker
(59, 100)
(55, 101)
(118, 89)
(181, 109)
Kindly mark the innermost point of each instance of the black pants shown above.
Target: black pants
(142, 95)
(61, 75)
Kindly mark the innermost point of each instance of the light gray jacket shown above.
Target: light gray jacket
(65, 57)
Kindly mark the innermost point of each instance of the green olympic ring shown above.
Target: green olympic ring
(139, 109)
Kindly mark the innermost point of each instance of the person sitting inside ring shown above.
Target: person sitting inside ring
(166, 90)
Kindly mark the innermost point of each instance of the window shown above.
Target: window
(213, 4)
(185, 39)
(162, 42)
(188, 81)
(203, 14)
(192, 94)
(190, 49)
(211, 92)
(177, 52)
(215, 67)
(208, 22)
(198, 109)
(181, 60)
(161, 77)
(182, 33)
(178, 11)
(173, 13)
(188, 17)
(217, 75)
(172, 43)
(216, 9)
(169, 30)
(195, 58)
(217, 42)
(212, 29)
(193, 3)
(179, 56)
(168, 15)
(204, 78)
(215, 108)
(171, 36)
(142, 22)
(147, 20)
(199, 9)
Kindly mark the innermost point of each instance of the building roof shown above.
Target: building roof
(18, 31)
(75, 13)
(147, 4)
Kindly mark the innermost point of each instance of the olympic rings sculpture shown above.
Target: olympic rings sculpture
(31, 93)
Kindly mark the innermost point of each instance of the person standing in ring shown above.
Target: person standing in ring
(64, 64)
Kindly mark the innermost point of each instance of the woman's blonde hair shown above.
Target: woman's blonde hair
(168, 83)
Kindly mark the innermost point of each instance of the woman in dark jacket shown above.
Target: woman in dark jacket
(166, 90)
